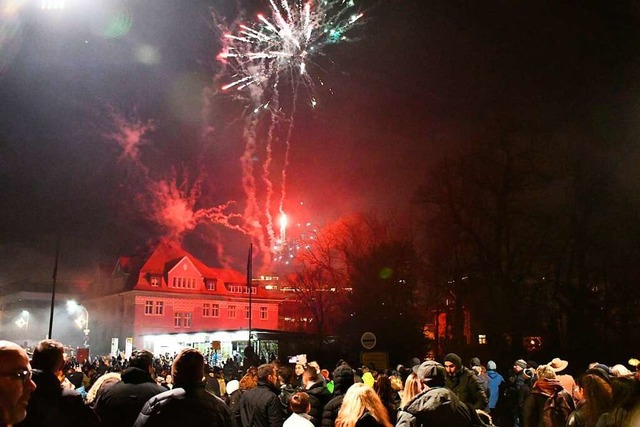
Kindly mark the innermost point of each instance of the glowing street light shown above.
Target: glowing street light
(23, 320)
(74, 307)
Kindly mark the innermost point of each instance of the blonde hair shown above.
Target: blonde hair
(545, 371)
(621, 371)
(361, 398)
(412, 387)
(96, 388)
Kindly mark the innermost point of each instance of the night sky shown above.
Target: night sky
(418, 79)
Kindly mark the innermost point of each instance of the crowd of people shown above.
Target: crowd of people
(47, 389)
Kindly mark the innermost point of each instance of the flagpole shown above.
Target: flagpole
(249, 286)
(53, 290)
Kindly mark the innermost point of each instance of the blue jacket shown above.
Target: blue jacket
(495, 379)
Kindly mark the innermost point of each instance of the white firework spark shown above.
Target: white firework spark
(267, 52)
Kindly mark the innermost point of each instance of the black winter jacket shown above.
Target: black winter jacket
(468, 387)
(343, 378)
(319, 396)
(190, 406)
(52, 406)
(437, 407)
(259, 407)
(120, 404)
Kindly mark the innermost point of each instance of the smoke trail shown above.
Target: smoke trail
(170, 201)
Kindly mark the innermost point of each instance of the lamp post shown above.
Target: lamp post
(74, 307)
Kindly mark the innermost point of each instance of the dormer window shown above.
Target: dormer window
(211, 284)
(155, 281)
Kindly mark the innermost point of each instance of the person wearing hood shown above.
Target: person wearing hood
(464, 382)
(548, 404)
(435, 405)
(121, 403)
(343, 378)
(495, 382)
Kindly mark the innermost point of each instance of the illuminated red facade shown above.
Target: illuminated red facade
(172, 292)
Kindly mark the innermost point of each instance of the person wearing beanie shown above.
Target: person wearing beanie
(495, 381)
(517, 391)
(343, 378)
(474, 362)
(188, 403)
(232, 397)
(464, 382)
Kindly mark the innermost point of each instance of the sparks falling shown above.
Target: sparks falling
(266, 62)
(270, 52)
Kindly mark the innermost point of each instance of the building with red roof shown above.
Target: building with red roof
(166, 298)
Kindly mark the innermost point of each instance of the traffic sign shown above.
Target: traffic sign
(368, 340)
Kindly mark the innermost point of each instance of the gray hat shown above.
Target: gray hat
(521, 363)
(430, 372)
(491, 365)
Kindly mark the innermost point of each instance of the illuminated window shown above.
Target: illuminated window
(263, 313)
(215, 310)
(206, 310)
(177, 320)
(148, 307)
(482, 339)
(187, 320)
(155, 281)
(232, 312)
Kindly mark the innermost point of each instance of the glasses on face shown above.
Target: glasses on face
(23, 376)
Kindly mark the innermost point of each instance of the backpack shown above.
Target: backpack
(557, 409)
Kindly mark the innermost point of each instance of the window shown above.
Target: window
(263, 313)
(247, 312)
(232, 312)
(155, 281)
(215, 310)
(184, 282)
(211, 284)
(206, 310)
(182, 320)
(149, 309)
(482, 339)
(238, 288)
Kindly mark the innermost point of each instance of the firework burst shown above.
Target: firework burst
(271, 52)
(267, 61)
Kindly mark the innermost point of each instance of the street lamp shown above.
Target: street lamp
(74, 307)
(23, 320)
